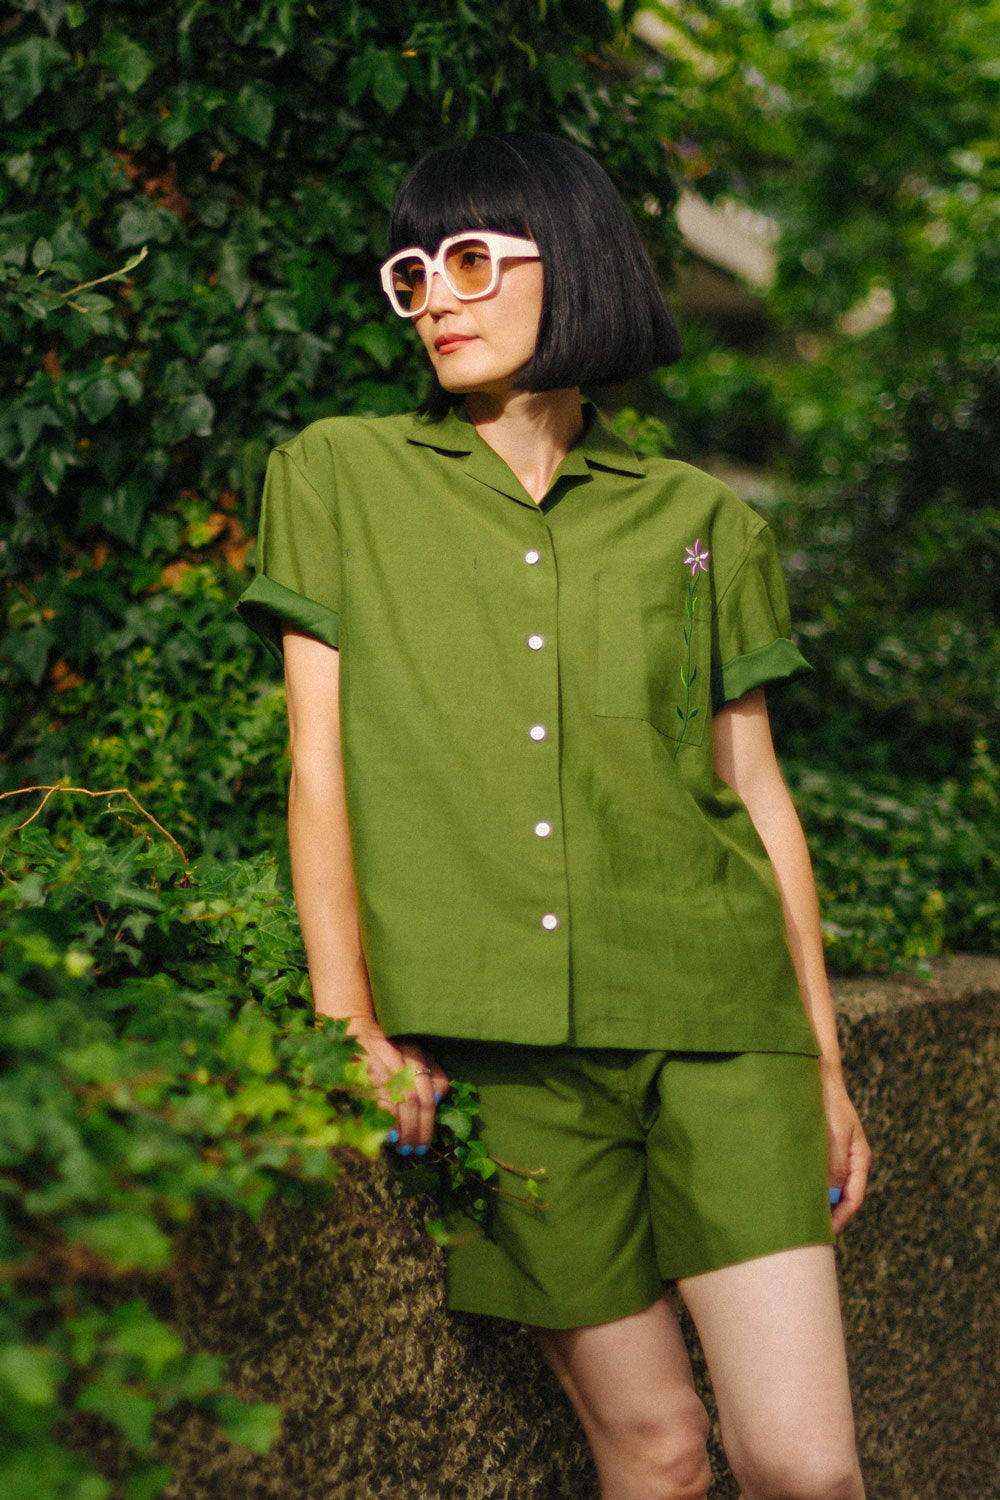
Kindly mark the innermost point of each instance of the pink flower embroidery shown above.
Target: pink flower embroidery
(696, 559)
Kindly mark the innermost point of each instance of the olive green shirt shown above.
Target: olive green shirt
(542, 851)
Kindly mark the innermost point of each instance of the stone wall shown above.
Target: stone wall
(339, 1317)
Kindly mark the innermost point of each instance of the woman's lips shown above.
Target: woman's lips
(448, 341)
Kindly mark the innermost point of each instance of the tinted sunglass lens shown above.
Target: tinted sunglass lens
(409, 282)
(469, 266)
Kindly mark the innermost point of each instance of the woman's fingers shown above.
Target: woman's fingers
(417, 1110)
(849, 1156)
(849, 1166)
(383, 1060)
(855, 1179)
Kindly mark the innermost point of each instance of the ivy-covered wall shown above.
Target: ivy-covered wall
(193, 204)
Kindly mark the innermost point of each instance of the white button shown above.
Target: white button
(543, 830)
(550, 921)
(538, 731)
(532, 556)
(536, 642)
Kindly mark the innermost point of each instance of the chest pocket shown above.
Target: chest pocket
(643, 658)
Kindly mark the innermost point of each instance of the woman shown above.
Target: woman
(540, 840)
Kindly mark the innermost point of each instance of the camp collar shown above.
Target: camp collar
(598, 447)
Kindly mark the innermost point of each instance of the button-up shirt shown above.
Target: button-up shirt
(542, 851)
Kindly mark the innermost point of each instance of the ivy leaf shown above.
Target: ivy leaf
(128, 1241)
(233, 275)
(49, 12)
(18, 167)
(30, 422)
(92, 303)
(130, 63)
(29, 650)
(142, 221)
(252, 112)
(31, 1373)
(130, 1412)
(119, 510)
(251, 1049)
(194, 417)
(129, 385)
(388, 82)
(24, 72)
(137, 1333)
(189, 116)
(562, 74)
(456, 1120)
(378, 73)
(99, 398)
(280, 313)
(147, 1481)
(254, 1426)
(200, 1374)
(381, 341)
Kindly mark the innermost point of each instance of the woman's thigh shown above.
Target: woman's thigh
(631, 1384)
(773, 1339)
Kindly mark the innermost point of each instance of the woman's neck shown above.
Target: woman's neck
(531, 430)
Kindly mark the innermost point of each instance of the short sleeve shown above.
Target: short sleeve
(298, 559)
(753, 626)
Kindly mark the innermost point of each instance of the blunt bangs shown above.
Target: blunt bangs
(456, 188)
(603, 316)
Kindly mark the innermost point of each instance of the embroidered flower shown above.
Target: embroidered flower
(696, 559)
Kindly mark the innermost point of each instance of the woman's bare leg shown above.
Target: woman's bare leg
(773, 1340)
(630, 1382)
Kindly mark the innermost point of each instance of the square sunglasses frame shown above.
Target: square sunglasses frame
(501, 247)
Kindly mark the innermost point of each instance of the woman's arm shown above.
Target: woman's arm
(323, 880)
(744, 758)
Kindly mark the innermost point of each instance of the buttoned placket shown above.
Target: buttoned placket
(533, 620)
(540, 645)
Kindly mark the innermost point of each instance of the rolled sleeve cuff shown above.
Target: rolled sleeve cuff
(265, 604)
(778, 661)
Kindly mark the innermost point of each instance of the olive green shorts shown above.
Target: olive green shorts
(658, 1165)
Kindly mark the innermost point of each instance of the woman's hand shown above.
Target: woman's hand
(849, 1155)
(415, 1113)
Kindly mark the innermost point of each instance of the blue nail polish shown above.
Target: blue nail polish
(835, 1195)
(438, 1096)
(392, 1137)
(405, 1150)
(420, 1151)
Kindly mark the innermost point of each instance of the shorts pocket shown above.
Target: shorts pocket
(646, 667)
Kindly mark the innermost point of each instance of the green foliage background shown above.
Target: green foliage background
(192, 203)
(871, 133)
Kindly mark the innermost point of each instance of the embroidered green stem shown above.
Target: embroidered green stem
(697, 561)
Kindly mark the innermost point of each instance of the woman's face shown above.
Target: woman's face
(482, 346)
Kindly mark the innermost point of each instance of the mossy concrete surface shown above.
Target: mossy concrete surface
(339, 1317)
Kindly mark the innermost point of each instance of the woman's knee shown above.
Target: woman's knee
(819, 1474)
(665, 1456)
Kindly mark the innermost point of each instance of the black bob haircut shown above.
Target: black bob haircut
(603, 315)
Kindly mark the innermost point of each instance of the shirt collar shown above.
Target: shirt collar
(598, 447)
